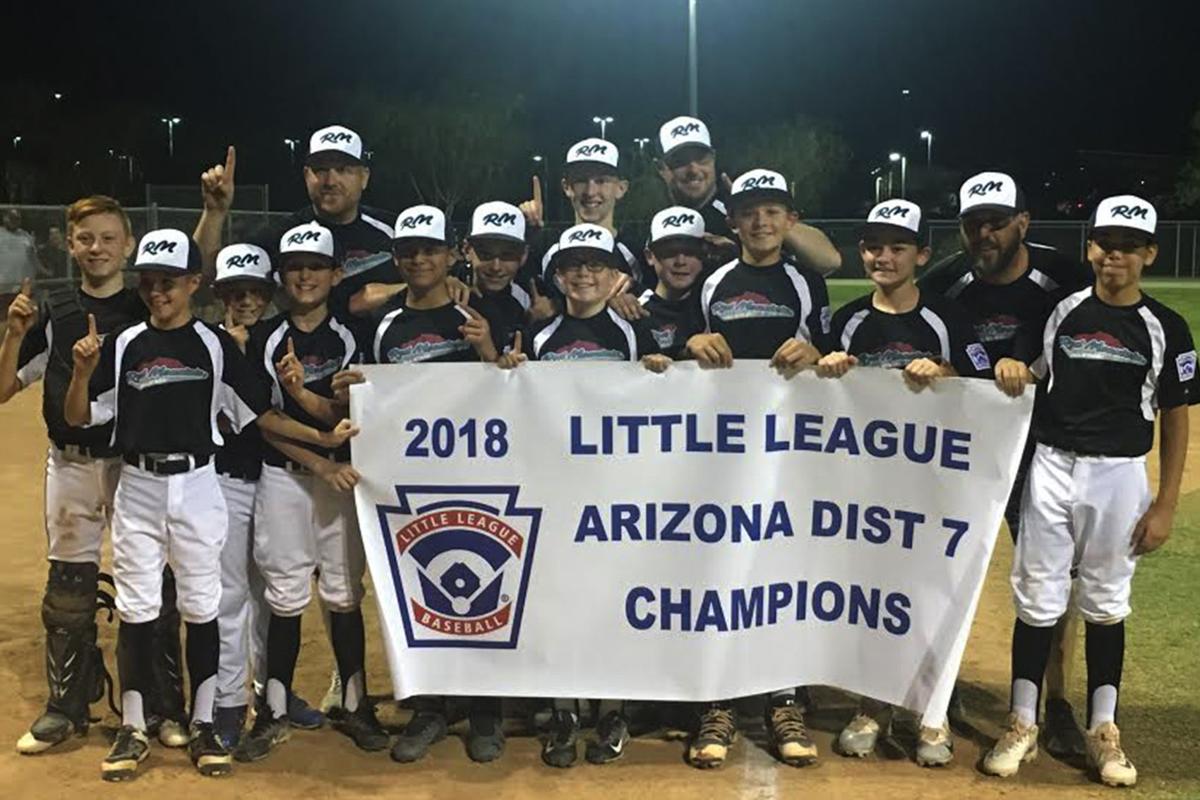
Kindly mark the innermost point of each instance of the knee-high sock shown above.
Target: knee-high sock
(135, 649)
(349, 648)
(203, 656)
(1105, 660)
(283, 648)
(1030, 651)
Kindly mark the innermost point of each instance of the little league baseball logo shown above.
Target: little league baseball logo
(460, 560)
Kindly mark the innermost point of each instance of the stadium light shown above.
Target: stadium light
(928, 137)
(291, 143)
(898, 157)
(603, 122)
(171, 122)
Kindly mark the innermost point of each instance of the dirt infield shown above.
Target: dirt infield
(325, 764)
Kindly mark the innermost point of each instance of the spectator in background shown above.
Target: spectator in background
(53, 254)
(18, 256)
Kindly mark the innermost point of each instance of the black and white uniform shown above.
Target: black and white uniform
(301, 523)
(543, 246)
(604, 336)
(81, 464)
(1105, 372)
(163, 390)
(507, 312)
(757, 309)
(362, 247)
(402, 335)
(670, 322)
(935, 329)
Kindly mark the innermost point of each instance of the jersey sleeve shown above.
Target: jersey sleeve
(941, 276)
(245, 392)
(820, 318)
(102, 389)
(1177, 382)
(34, 353)
(837, 326)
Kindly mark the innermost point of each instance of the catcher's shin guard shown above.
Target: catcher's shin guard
(74, 666)
(166, 700)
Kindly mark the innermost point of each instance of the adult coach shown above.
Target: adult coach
(688, 167)
(336, 174)
(1010, 285)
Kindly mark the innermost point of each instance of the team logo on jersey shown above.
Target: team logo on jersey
(1099, 346)
(580, 350)
(162, 370)
(1185, 365)
(979, 356)
(665, 335)
(425, 347)
(749, 305)
(360, 261)
(998, 328)
(826, 318)
(316, 368)
(460, 559)
(893, 355)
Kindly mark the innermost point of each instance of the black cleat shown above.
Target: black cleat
(130, 749)
(362, 726)
(425, 729)
(1061, 735)
(485, 739)
(209, 756)
(612, 734)
(267, 731)
(560, 748)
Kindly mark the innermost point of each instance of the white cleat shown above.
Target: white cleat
(172, 733)
(858, 738)
(1017, 745)
(935, 748)
(1105, 755)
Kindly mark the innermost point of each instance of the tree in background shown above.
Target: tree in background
(1187, 187)
(808, 153)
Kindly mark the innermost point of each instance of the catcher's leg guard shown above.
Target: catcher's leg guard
(166, 700)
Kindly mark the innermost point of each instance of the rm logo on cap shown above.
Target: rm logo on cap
(415, 220)
(162, 245)
(334, 137)
(1130, 212)
(985, 188)
(887, 212)
(590, 149)
(679, 220)
(684, 130)
(762, 180)
(583, 236)
(499, 220)
(300, 237)
(243, 260)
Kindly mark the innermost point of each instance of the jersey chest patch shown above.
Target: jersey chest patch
(749, 305)
(582, 350)
(159, 371)
(425, 347)
(1099, 346)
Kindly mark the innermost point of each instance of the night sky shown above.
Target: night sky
(1021, 84)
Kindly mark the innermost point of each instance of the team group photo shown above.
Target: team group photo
(860, 464)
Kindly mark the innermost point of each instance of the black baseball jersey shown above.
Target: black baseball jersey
(163, 390)
(402, 335)
(669, 322)
(628, 245)
(757, 309)
(241, 455)
(1009, 318)
(46, 353)
(716, 218)
(324, 351)
(507, 312)
(936, 329)
(604, 336)
(364, 248)
(1106, 371)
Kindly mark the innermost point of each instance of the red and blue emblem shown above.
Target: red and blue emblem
(460, 559)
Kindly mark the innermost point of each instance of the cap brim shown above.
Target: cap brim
(494, 237)
(330, 158)
(887, 227)
(1094, 229)
(990, 207)
(573, 168)
(611, 259)
(287, 258)
(443, 242)
(234, 278)
(676, 237)
(156, 267)
(704, 148)
(754, 196)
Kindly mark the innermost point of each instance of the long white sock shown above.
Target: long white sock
(1025, 701)
(277, 698)
(1104, 706)
(354, 692)
(131, 710)
(206, 695)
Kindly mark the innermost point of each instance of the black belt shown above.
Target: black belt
(240, 474)
(86, 450)
(167, 463)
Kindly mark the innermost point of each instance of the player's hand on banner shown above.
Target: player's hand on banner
(341, 433)
(793, 354)
(290, 370)
(342, 477)
(86, 351)
(514, 357)
(22, 312)
(533, 209)
(1152, 530)
(540, 306)
(237, 332)
(478, 334)
(835, 365)
(921, 372)
(1012, 376)
(341, 383)
(627, 306)
(710, 350)
(460, 293)
(216, 183)
(656, 362)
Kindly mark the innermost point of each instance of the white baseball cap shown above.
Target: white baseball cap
(497, 220)
(1126, 211)
(334, 140)
(587, 238)
(896, 215)
(311, 238)
(594, 152)
(168, 250)
(423, 222)
(990, 191)
(676, 222)
(243, 262)
(683, 132)
(760, 184)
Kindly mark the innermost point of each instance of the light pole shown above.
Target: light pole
(603, 122)
(16, 141)
(692, 82)
(641, 142)
(877, 172)
(171, 122)
(894, 157)
(291, 143)
(928, 137)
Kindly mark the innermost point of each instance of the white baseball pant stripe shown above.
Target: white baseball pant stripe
(302, 524)
(168, 519)
(79, 501)
(243, 615)
(1078, 512)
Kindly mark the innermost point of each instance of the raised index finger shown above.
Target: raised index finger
(537, 191)
(92, 325)
(27, 287)
(230, 162)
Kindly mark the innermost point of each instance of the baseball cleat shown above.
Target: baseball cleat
(425, 729)
(209, 756)
(1016, 745)
(130, 748)
(788, 734)
(560, 747)
(50, 729)
(612, 734)
(229, 721)
(331, 703)
(858, 738)
(717, 734)
(1061, 734)
(935, 748)
(362, 726)
(1104, 754)
(304, 716)
(485, 738)
(267, 731)
(173, 733)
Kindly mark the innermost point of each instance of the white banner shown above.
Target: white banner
(568, 531)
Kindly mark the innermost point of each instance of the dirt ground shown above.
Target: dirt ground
(326, 764)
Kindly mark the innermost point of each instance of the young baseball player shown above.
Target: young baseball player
(763, 307)
(162, 383)
(1009, 285)
(81, 477)
(898, 326)
(586, 265)
(302, 521)
(1113, 358)
(496, 250)
(676, 251)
